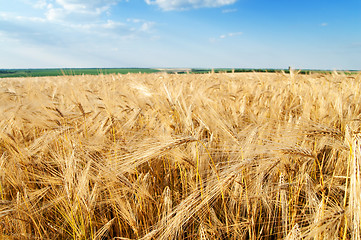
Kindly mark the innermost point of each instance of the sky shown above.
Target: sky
(308, 34)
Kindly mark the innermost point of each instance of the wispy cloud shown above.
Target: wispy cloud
(234, 34)
(231, 10)
(27, 30)
(73, 11)
(169, 5)
(86, 6)
(324, 24)
(40, 4)
(4, 16)
(224, 36)
(61, 35)
(65, 21)
(58, 10)
(145, 26)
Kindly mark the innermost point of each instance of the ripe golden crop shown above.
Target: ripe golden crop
(167, 156)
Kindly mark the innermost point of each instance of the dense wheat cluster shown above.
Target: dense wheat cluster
(160, 156)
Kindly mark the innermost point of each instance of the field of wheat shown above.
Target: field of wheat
(193, 156)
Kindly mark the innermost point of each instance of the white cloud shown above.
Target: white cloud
(145, 26)
(97, 27)
(324, 24)
(169, 5)
(67, 23)
(234, 34)
(87, 17)
(12, 17)
(73, 33)
(86, 6)
(71, 6)
(224, 36)
(59, 10)
(229, 10)
(5, 16)
(53, 14)
(134, 20)
(40, 4)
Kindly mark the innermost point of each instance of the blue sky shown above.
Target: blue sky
(317, 34)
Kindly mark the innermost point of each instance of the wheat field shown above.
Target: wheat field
(193, 156)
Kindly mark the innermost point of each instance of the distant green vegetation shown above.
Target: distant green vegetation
(95, 71)
(267, 70)
(70, 71)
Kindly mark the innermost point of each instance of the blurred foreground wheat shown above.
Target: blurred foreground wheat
(157, 156)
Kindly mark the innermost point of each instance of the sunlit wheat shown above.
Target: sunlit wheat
(181, 156)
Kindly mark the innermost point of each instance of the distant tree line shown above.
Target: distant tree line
(7, 71)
